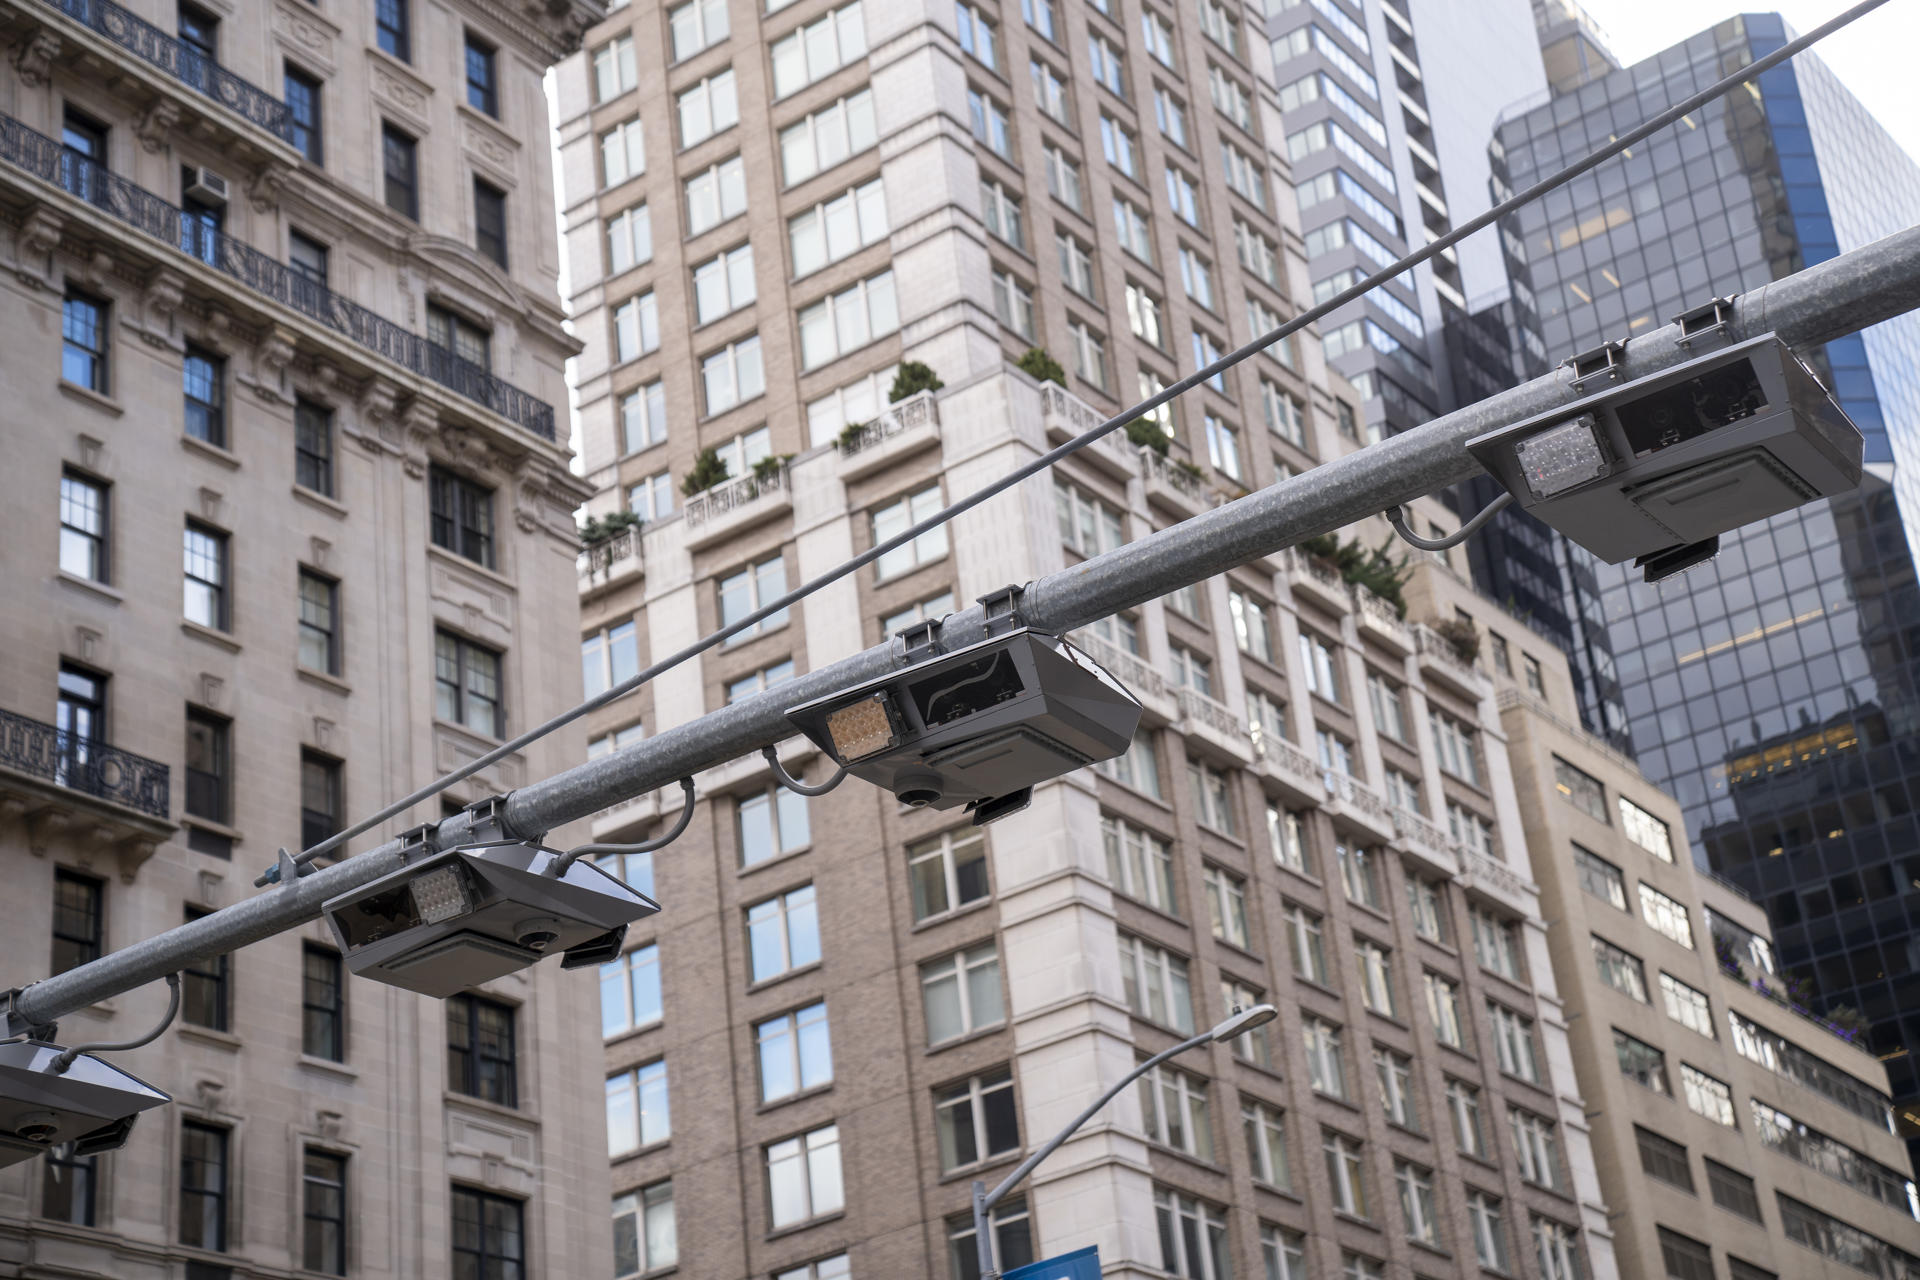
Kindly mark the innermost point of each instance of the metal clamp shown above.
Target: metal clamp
(419, 842)
(1711, 319)
(921, 640)
(1602, 363)
(15, 1027)
(487, 819)
(1003, 610)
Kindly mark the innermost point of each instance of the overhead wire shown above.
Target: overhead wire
(1046, 460)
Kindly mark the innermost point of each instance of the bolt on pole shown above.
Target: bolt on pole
(1816, 305)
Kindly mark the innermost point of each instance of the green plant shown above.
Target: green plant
(769, 467)
(850, 433)
(599, 528)
(913, 378)
(1849, 1019)
(1147, 434)
(1040, 366)
(709, 469)
(1462, 637)
(1374, 569)
(1188, 470)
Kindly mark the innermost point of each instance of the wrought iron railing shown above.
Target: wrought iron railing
(139, 208)
(183, 62)
(914, 412)
(731, 495)
(598, 558)
(38, 749)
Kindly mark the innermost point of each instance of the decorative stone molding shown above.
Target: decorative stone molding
(44, 826)
(211, 501)
(265, 187)
(132, 853)
(318, 549)
(323, 733)
(273, 358)
(307, 31)
(86, 644)
(33, 57)
(89, 450)
(165, 290)
(212, 690)
(40, 232)
(158, 124)
(399, 90)
(328, 1123)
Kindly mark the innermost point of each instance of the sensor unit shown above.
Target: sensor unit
(468, 915)
(979, 726)
(91, 1104)
(1655, 470)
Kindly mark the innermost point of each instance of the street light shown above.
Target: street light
(1237, 1023)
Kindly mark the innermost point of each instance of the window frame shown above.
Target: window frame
(400, 183)
(489, 1076)
(95, 544)
(214, 1158)
(484, 1257)
(319, 1254)
(332, 1045)
(465, 652)
(460, 516)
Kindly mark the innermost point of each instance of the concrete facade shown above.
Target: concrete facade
(269, 377)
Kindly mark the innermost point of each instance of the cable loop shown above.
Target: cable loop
(560, 864)
(793, 784)
(1397, 517)
(68, 1057)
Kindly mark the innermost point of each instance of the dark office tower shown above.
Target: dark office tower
(1772, 690)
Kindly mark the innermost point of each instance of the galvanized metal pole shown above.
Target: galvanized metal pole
(1826, 301)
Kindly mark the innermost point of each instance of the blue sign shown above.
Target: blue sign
(1081, 1264)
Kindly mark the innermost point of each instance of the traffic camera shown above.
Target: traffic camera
(85, 1102)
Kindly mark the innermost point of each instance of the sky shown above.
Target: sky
(1874, 56)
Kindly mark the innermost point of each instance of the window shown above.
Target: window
(818, 49)
(1684, 1258)
(961, 993)
(770, 823)
(629, 239)
(1453, 743)
(1346, 1174)
(1076, 267)
(205, 571)
(79, 722)
(467, 685)
(644, 1236)
(745, 592)
(1395, 1073)
(1536, 1147)
(323, 1011)
(976, 1120)
(1799, 1141)
(319, 648)
(1739, 1270)
(1063, 178)
(630, 989)
(1687, 1006)
(696, 25)
(803, 1176)
(1135, 230)
(1251, 1046)
(1707, 1096)
(1326, 1068)
(613, 69)
(1427, 904)
(1193, 1237)
(1156, 34)
(831, 231)
(1171, 115)
(1245, 177)
(1841, 1241)
(321, 810)
(1732, 1191)
(302, 93)
(313, 447)
(1663, 1158)
(733, 375)
(481, 1060)
(830, 135)
(623, 152)
(930, 609)
(1266, 721)
(1375, 965)
(1321, 666)
(203, 1186)
(1641, 1063)
(896, 518)
(1000, 213)
(1013, 303)
(1443, 1008)
(1360, 873)
(1513, 1042)
(1557, 1248)
(710, 106)
(1619, 969)
(1666, 915)
(978, 37)
(78, 935)
(1156, 984)
(637, 1111)
(1212, 800)
(400, 169)
(636, 328)
(67, 1186)
(1121, 149)
(1536, 684)
(1139, 864)
(716, 195)
(1223, 446)
(1582, 790)
(1183, 193)
(1109, 68)
(1287, 837)
(1050, 92)
(1266, 1135)
(796, 1052)
(845, 321)
(1463, 1115)
(1645, 830)
(1600, 878)
(988, 120)
(1042, 16)
(643, 422)
(1227, 906)
(948, 872)
(461, 515)
(1306, 943)
(483, 89)
(489, 1236)
(1139, 768)
(392, 28)
(209, 766)
(1486, 1219)
(83, 527)
(459, 340)
(323, 1185)
(1418, 1209)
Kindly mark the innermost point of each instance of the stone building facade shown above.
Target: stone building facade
(290, 533)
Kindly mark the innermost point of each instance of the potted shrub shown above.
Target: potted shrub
(768, 469)
(912, 378)
(598, 529)
(850, 433)
(1462, 637)
(1147, 434)
(709, 469)
(1040, 366)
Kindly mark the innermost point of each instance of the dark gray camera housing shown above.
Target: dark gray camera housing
(978, 726)
(1656, 469)
(454, 919)
(91, 1105)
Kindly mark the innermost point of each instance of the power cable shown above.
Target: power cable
(67, 1057)
(1397, 517)
(1353, 292)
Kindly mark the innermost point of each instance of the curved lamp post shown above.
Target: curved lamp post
(1238, 1023)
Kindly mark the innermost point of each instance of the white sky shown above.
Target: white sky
(1874, 57)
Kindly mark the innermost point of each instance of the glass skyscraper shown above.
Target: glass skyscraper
(1772, 690)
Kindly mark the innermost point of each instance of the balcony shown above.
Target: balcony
(733, 505)
(1141, 680)
(611, 561)
(1292, 768)
(1212, 722)
(1067, 415)
(104, 41)
(905, 428)
(110, 799)
(1378, 619)
(1319, 582)
(115, 197)
(1175, 484)
(1492, 876)
(1425, 841)
(1439, 660)
(1359, 804)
